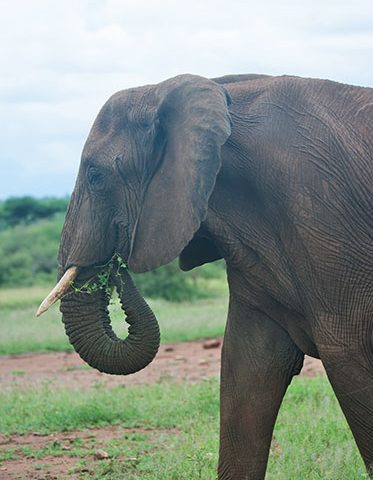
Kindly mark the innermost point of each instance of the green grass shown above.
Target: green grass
(312, 440)
(21, 331)
(19, 298)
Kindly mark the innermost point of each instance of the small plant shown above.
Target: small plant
(103, 279)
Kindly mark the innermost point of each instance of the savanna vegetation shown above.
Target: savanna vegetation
(174, 431)
(166, 430)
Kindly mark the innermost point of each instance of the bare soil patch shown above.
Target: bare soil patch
(181, 362)
(92, 444)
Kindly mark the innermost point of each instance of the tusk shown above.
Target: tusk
(59, 290)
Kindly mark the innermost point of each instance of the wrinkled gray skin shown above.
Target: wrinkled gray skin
(273, 174)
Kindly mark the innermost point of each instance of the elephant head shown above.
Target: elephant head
(147, 171)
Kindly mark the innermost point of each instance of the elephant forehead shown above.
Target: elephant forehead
(133, 105)
(125, 116)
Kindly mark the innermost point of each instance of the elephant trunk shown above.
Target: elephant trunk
(87, 324)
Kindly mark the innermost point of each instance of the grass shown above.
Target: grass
(179, 430)
(21, 331)
(19, 298)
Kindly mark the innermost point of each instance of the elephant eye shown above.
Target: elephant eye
(95, 177)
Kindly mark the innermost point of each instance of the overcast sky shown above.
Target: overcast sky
(61, 60)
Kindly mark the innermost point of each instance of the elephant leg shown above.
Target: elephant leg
(259, 360)
(348, 360)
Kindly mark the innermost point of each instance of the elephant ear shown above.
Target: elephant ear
(194, 123)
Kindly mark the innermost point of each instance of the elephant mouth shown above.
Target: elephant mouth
(85, 279)
(85, 274)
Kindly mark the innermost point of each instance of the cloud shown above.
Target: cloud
(60, 61)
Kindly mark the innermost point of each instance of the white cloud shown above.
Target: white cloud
(59, 61)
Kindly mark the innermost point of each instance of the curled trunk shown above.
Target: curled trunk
(87, 324)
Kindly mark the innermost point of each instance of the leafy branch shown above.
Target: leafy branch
(102, 279)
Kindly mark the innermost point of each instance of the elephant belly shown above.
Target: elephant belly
(303, 341)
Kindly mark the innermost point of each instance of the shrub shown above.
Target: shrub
(170, 283)
(25, 210)
(28, 253)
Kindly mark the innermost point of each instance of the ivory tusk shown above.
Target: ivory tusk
(59, 290)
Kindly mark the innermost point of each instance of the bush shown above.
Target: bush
(170, 283)
(26, 210)
(28, 253)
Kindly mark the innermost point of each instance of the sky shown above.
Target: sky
(61, 60)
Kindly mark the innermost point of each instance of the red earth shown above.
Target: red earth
(180, 362)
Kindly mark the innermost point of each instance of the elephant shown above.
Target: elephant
(274, 175)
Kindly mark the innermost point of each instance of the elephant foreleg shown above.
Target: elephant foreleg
(347, 355)
(258, 361)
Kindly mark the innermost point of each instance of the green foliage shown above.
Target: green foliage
(103, 279)
(25, 210)
(28, 253)
(170, 283)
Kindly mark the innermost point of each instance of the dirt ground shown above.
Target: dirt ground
(64, 466)
(182, 362)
